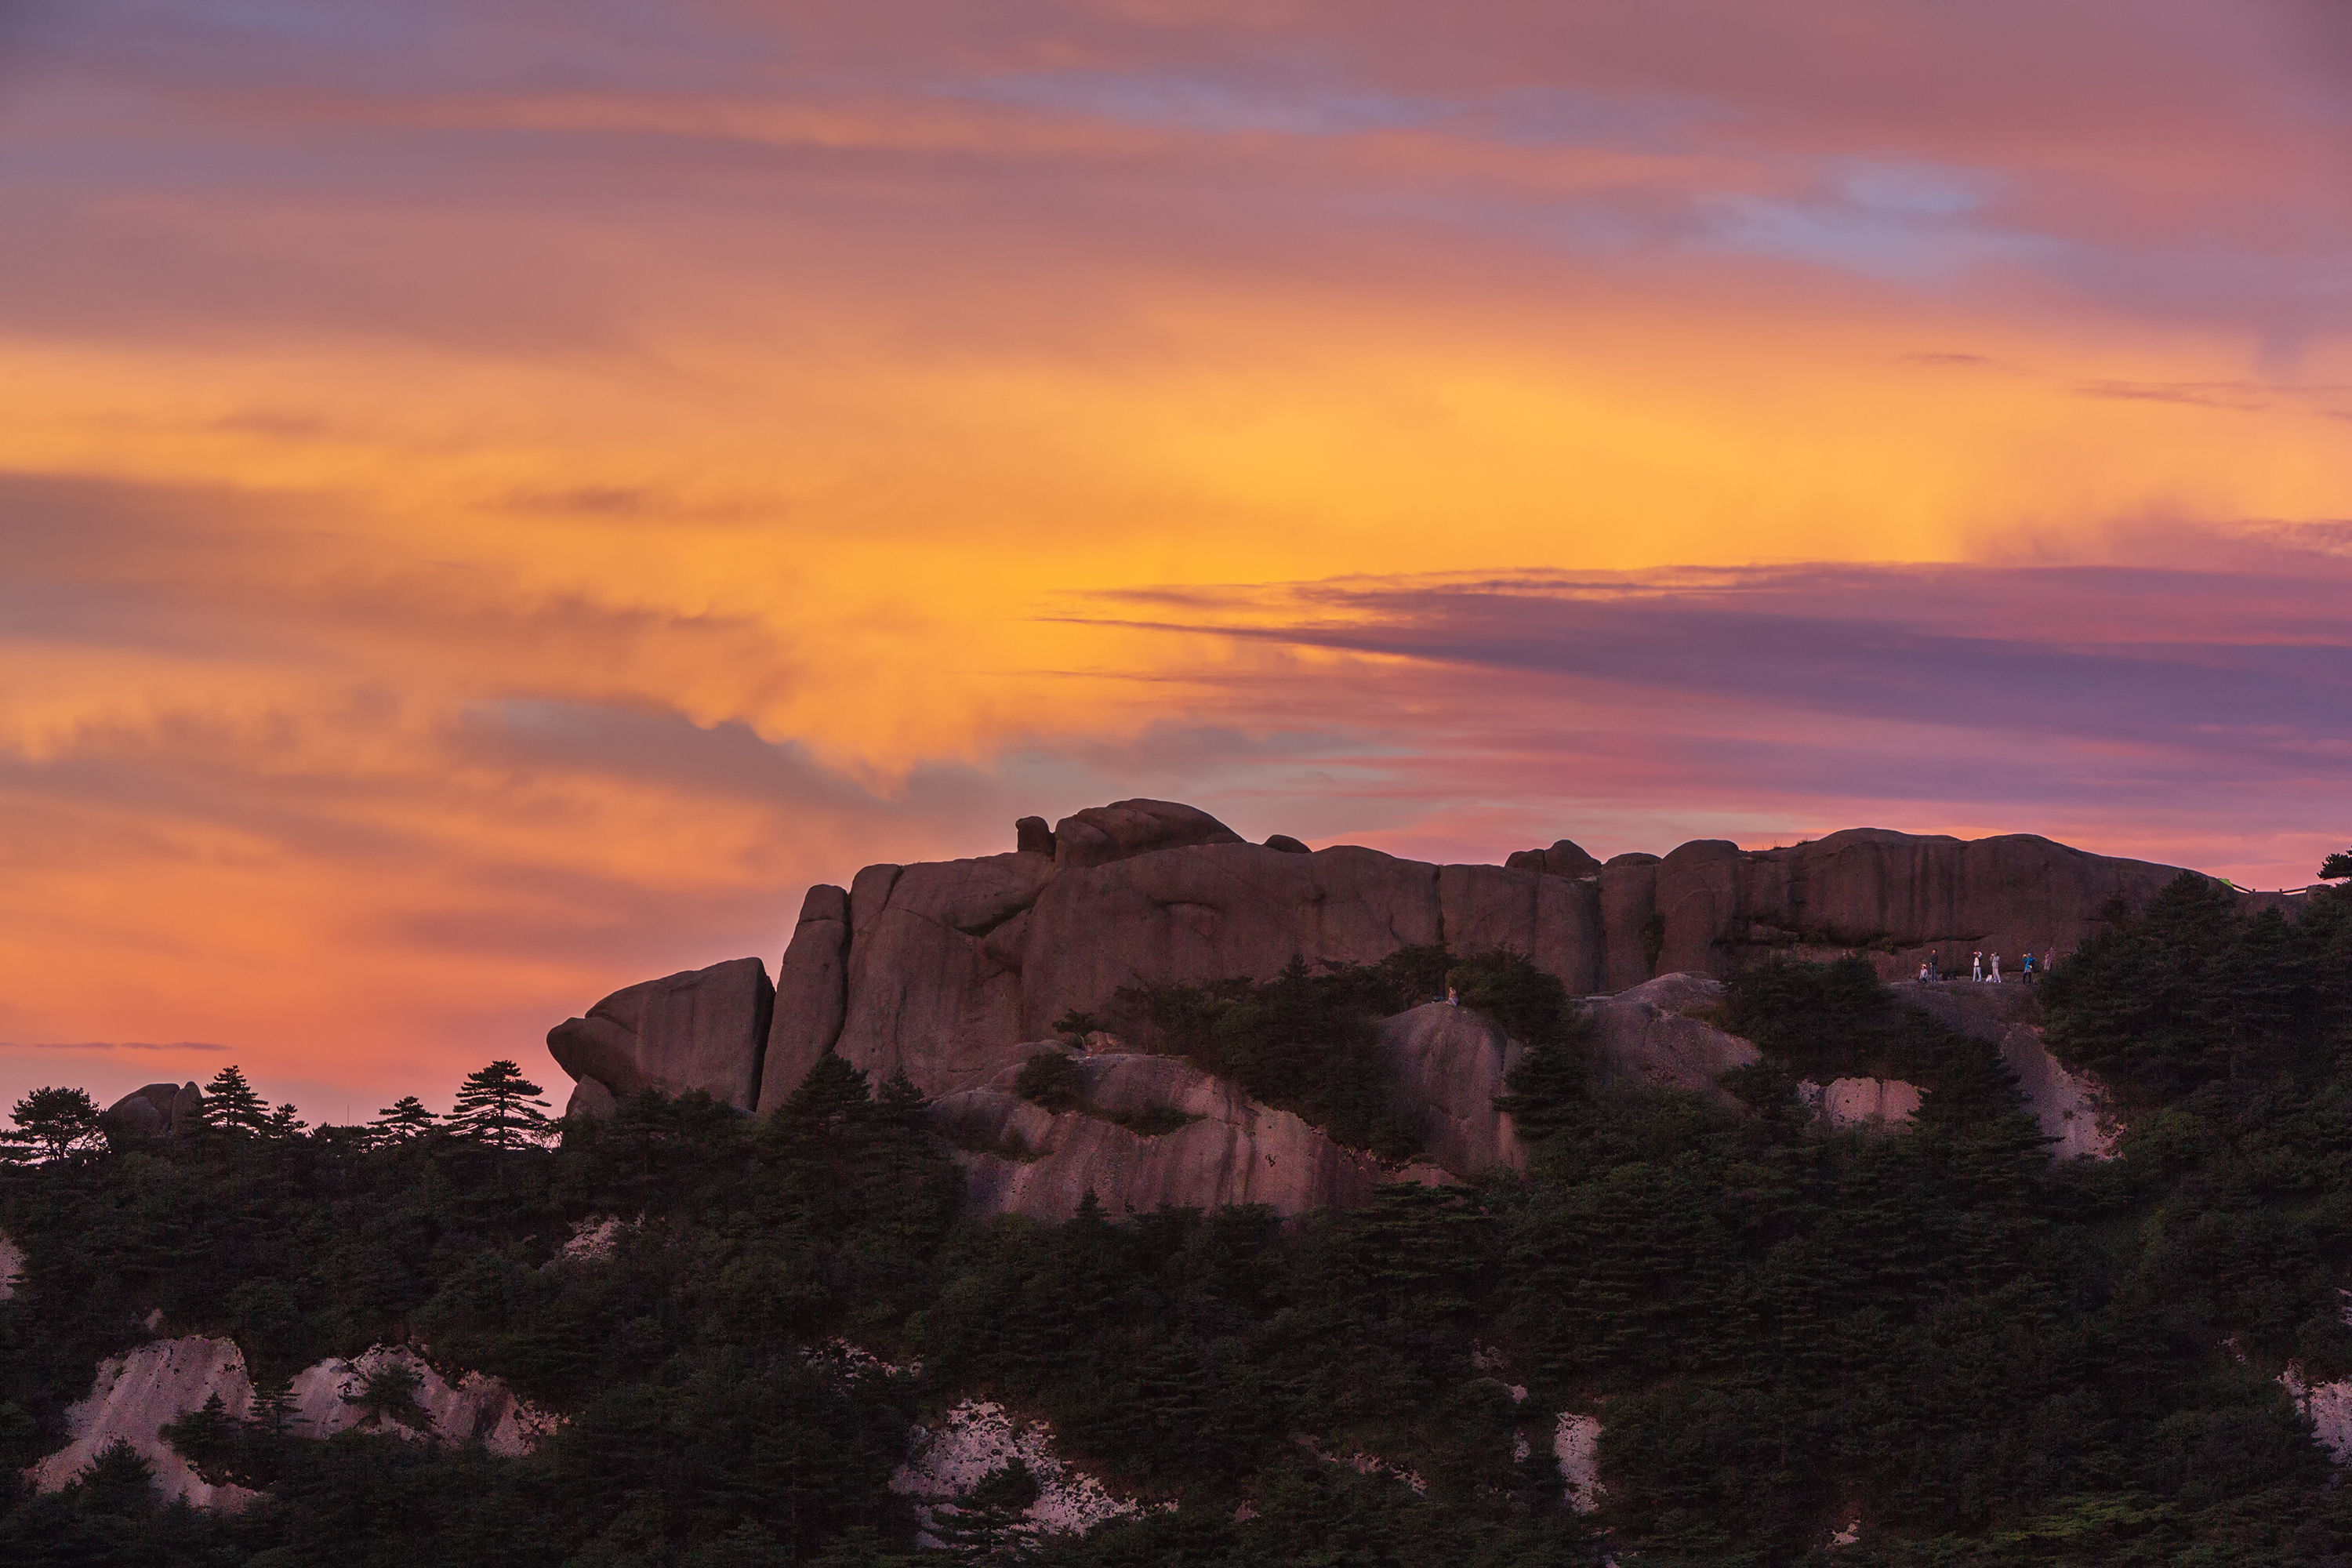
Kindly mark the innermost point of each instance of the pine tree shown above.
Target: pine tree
(986, 1520)
(232, 1106)
(832, 1090)
(52, 1123)
(402, 1120)
(283, 1125)
(2337, 866)
(499, 1107)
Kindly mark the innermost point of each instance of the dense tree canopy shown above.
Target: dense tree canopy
(1937, 1335)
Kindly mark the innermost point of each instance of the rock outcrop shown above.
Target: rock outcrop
(157, 1111)
(139, 1394)
(1023, 1159)
(1645, 1037)
(703, 1028)
(1879, 1102)
(1449, 1063)
(975, 1439)
(12, 1267)
(945, 969)
(2072, 1107)
(811, 984)
(475, 1409)
(1576, 1449)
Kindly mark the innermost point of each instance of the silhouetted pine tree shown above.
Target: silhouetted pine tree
(232, 1106)
(499, 1107)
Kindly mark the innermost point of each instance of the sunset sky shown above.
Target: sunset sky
(496, 497)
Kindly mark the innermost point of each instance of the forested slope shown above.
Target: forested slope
(1935, 1341)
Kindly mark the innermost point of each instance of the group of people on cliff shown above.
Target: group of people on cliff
(1983, 967)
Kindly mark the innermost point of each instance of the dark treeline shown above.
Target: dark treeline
(1976, 1355)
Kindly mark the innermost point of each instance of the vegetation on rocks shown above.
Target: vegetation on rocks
(1975, 1356)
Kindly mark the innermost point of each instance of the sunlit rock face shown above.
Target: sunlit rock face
(12, 1267)
(1449, 1065)
(329, 1398)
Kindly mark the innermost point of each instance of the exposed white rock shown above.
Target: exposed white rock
(12, 1267)
(475, 1409)
(595, 1237)
(1645, 1036)
(1848, 1536)
(1233, 1151)
(1885, 1102)
(2329, 1406)
(977, 1438)
(1576, 1444)
(137, 1394)
(2071, 1106)
(838, 1355)
(1364, 1464)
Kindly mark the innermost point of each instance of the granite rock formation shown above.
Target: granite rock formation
(952, 970)
(1024, 1159)
(157, 1111)
(703, 1028)
(12, 1267)
(138, 1393)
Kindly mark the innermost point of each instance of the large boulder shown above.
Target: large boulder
(2074, 1109)
(12, 1267)
(811, 993)
(476, 1408)
(157, 1111)
(1448, 1064)
(1102, 833)
(1022, 1159)
(1646, 1037)
(703, 1028)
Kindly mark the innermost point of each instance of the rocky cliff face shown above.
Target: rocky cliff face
(1228, 1149)
(139, 1394)
(953, 970)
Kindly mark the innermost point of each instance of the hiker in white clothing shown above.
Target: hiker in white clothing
(1994, 978)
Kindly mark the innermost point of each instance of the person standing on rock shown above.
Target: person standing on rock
(1923, 971)
(1975, 966)
(1453, 997)
(1994, 978)
(2026, 968)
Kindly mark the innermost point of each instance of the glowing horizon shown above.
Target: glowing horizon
(498, 501)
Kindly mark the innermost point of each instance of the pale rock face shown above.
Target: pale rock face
(1642, 1037)
(1449, 1063)
(137, 1394)
(476, 1409)
(12, 1267)
(703, 1028)
(1880, 1102)
(2329, 1407)
(976, 1438)
(593, 1239)
(1237, 1152)
(1576, 1445)
(2072, 1106)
